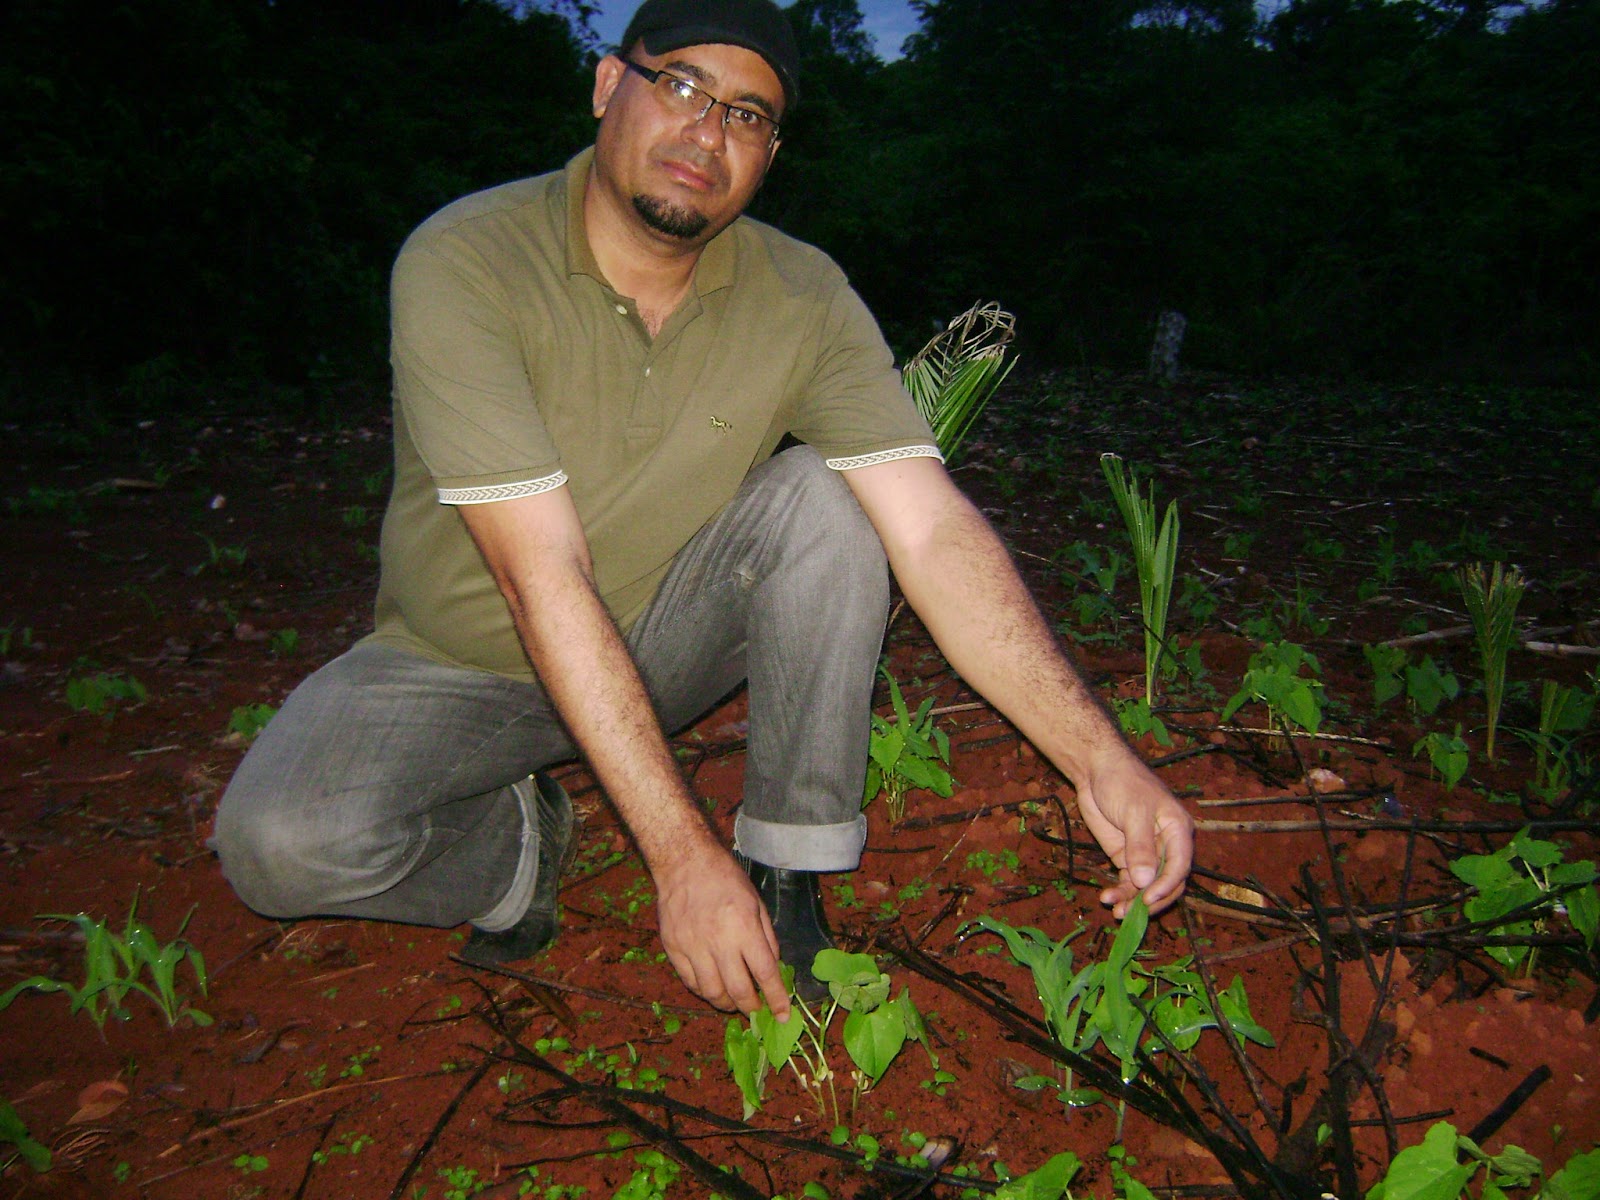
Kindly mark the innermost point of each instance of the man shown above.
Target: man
(591, 539)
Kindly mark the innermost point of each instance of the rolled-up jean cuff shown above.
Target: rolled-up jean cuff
(801, 847)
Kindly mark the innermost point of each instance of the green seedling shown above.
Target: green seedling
(1297, 612)
(21, 638)
(1049, 1182)
(14, 1132)
(220, 557)
(118, 964)
(1564, 712)
(1136, 719)
(1491, 598)
(875, 1029)
(1155, 557)
(1428, 686)
(248, 720)
(1112, 1003)
(281, 643)
(955, 374)
(652, 1180)
(1274, 678)
(1530, 876)
(1387, 662)
(100, 693)
(1197, 600)
(1433, 1170)
(905, 753)
(1094, 606)
(1447, 755)
(48, 502)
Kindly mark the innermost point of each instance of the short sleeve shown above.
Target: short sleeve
(460, 377)
(854, 409)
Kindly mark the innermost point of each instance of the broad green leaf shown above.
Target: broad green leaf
(835, 966)
(741, 1047)
(778, 1038)
(1429, 1171)
(1578, 1180)
(873, 1039)
(1049, 1182)
(15, 1131)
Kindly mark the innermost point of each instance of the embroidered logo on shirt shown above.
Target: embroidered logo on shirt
(719, 423)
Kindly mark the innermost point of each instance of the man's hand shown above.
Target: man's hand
(1143, 828)
(958, 577)
(718, 935)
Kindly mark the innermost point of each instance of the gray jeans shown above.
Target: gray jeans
(382, 787)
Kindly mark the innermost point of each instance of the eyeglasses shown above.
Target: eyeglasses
(743, 125)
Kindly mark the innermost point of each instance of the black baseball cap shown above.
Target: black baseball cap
(758, 25)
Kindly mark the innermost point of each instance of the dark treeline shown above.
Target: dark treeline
(200, 191)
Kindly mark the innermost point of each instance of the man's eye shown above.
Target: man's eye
(745, 117)
(684, 90)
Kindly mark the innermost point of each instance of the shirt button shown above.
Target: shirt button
(623, 309)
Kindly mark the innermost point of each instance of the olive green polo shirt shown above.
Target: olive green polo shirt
(518, 369)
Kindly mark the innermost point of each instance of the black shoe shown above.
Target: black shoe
(540, 924)
(794, 902)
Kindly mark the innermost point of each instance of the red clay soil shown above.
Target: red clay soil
(357, 1059)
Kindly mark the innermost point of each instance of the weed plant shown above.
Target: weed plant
(1433, 1170)
(905, 753)
(1113, 1002)
(1274, 677)
(875, 1029)
(1528, 876)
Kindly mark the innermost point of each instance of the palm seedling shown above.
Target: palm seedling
(1491, 597)
(955, 374)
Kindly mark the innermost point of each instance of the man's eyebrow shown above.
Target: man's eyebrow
(704, 77)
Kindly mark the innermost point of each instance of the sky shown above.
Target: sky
(889, 22)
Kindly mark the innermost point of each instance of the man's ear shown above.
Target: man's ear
(608, 73)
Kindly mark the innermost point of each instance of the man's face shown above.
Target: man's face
(684, 180)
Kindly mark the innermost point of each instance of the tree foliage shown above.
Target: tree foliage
(202, 189)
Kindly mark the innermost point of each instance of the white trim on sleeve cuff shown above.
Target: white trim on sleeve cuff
(502, 491)
(883, 456)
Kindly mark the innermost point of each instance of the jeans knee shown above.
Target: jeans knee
(820, 503)
(282, 860)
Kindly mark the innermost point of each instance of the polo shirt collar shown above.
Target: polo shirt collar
(712, 273)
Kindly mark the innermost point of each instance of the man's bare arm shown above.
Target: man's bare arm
(713, 926)
(957, 575)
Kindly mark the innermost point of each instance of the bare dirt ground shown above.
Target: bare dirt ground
(218, 560)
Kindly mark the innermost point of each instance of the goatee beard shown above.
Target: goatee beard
(684, 223)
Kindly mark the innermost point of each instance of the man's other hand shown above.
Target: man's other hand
(1144, 829)
(718, 935)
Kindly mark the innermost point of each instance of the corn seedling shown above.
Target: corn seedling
(1113, 1002)
(1491, 598)
(955, 374)
(875, 1029)
(904, 753)
(1563, 713)
(1155, 557)
(1274, 678)
(117, 964)
(1528, 876)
